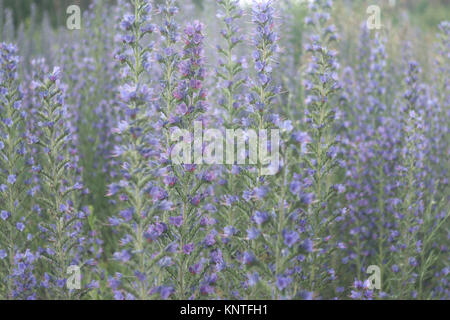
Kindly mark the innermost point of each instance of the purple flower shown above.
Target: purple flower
(196, 268)
(122, 256)
(253, 233)
(206, 289)
(127, 22)
(253, 279)
(20, 226)
(128, 92)
(210, 238)
(62, 208)
(260, 217)
(188, 248)
(127, 214)
(412, 261)
(308, 245)
(229, 231)
(176, 221)
(290, 237)
(4, 215)
(356, 295)
(166, 292)
(56, 74)
(248, 258)
(306, 295)
(283, 282)
(9, 122)
(12, 179)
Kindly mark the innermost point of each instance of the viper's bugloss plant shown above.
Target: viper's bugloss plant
(14, 170)
(61, 220)
(419, 217)
(139, 251)
(439, 112)
(411, 207)
(168, 58)
(321, 85)
(262, 258)
(231, 79)
(342, 194)
(368, 162)
(187, 266)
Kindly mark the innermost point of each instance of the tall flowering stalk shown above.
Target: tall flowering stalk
(182, 104)
(169, 57)
(381, 162)
(230, 78)
(139, 250)
(93, 114)
(410, 168)
(188, 179)
(13, 168)
(419, 217)
(368, 158)
(440, 130)
(60, 226)
(321, 86)
(262, 259)
(441, 146)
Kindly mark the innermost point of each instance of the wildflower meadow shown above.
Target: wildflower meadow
(225, 150)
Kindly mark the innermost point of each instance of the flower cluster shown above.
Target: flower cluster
(13, 166)
(138, 216)
(61, 221)
(344, 196)
(321, 85)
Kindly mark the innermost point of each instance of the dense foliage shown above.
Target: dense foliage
(354, 206)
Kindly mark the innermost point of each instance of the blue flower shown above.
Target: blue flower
(127, 22)
(56, 74)
(4, 215)
(20, 226)
(176, 221)
(12, 179)
(253, 233)
(248, 258)
(166, 292)
(260, 217)
(229, 231)
(308, 245)
(122, 256)
(283, 282)
(253, 279)
(290, 238)
(188, 248)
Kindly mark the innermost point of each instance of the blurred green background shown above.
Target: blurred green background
(56, 9)
(426, 13)
(22, 9)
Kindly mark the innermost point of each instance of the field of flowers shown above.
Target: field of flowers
(116, 182)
